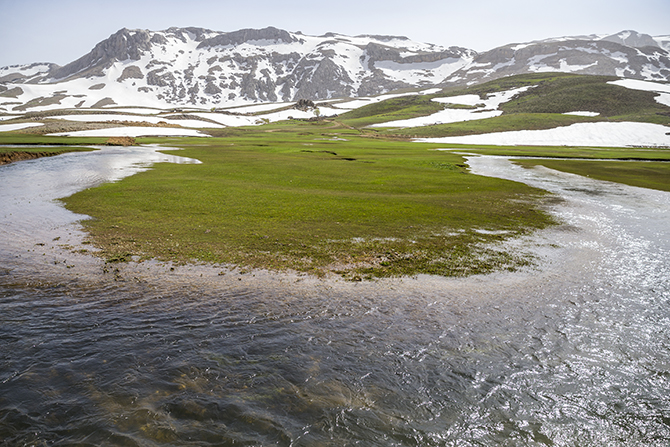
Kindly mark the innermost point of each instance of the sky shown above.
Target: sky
(61, 31)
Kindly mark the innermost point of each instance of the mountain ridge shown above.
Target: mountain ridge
(198, 67)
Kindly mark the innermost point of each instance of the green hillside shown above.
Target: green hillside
(541, 107)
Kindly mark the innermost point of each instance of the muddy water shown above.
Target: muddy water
(575, 351)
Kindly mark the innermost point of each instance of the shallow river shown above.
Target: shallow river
(575, 351)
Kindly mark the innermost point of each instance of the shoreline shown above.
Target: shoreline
(14, 156)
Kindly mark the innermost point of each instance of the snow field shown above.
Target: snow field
(12, 127)
(133, 132)
(488, 108)
(150, 119)
(580, 134)
(663, 90)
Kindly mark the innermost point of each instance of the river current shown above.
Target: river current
(574, 351)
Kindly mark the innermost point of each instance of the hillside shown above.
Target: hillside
(522, 102)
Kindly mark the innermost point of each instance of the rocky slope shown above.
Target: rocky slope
(203, 68)
(627, 54)
(199, 68)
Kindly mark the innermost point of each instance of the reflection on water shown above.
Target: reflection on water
(575, 352)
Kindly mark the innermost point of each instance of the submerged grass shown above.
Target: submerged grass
(653, 175)
(313, 198)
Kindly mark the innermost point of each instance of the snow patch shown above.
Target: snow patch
(648, 86)
(133, 132)
(580, 134)
(488, 108)
(466, 100)
(12, 127)
(579, 113)
(194, 123)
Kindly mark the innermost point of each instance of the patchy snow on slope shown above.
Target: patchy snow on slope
(265, 107)
(442, 117)
(563, 66)
(19, 126)
(421, 72)
(648, 86)
(230, 120)
(137, 110)
(465, 100)
(364, 101)
(149, 119)
(24, 70)
(486, 108)
(582, 113)
(663, 90)
(133, 132)
(580, 134)
(663, 98)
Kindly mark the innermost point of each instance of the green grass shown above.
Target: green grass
(653, 175)
(290, 196)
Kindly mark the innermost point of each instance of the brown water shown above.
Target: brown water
(573, 352)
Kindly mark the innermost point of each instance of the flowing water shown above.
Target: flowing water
(573, 352)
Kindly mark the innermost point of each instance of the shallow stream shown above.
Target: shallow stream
(575, 351)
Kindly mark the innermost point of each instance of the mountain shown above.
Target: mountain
(200, 68)
(627, 54)
(203, 68)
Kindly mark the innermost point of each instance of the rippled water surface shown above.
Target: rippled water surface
(573, 352)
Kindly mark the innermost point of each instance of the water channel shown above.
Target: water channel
(574, 351)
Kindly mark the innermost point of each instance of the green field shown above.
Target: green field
(332, 196)
(317, 199)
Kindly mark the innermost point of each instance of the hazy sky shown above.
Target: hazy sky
(61, 31)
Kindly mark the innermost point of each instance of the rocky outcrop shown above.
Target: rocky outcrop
(246, 35)
(131, 72)
(123, 45)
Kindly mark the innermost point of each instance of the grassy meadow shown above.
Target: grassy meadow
(332, 196)
(316, 198)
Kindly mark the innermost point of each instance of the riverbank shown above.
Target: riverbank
(572, 350)
(12, 155)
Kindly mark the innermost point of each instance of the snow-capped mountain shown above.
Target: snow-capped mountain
(199, 68)
(627, 54)
(202, 68)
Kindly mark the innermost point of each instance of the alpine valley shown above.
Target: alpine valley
(204, 69)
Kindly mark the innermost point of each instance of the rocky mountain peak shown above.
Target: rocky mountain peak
(197, 67)
(633, 39)
(248, 35)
